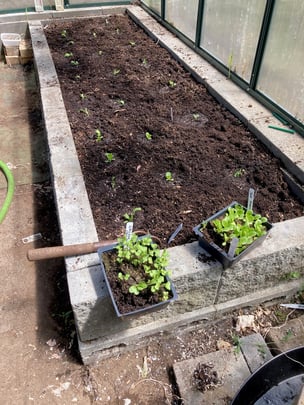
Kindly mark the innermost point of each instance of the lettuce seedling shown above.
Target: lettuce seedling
(241, 224)
(143, 253)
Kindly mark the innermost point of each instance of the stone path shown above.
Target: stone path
(235, 364)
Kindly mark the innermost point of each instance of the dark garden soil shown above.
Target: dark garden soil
(121, 88)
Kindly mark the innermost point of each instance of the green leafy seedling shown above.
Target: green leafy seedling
(262, 349)
(288, 335)
(64, 33)
(293, 275)
(132, 43)
(121, 102)
(71, 42)
(109, 157)
(116, 72)
(124, 277)
(84, 111)
(99, 53)
(82, 96)
(148, 136)
(195, 116)
(239, 173)
(240, 223)
(168, 176)
(113, 182)
(94, 34)
(74, 62)
(144, 61)
(99, 135)
(143, 252)
(68, 54)
(77, 77)
(230, 64)
(236, 343)
(129, 217)
(171, 83)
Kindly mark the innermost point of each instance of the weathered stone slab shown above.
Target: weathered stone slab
(231, 368)
(287, 336)
(255, 351)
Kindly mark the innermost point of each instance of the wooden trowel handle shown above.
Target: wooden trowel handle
(68, 250)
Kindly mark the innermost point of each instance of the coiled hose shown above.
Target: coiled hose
(10, 190)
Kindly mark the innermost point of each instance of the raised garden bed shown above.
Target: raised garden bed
(136, 115)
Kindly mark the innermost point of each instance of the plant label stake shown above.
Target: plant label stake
(129, 230)
(250, 199)
(233, 246)
(174, 234)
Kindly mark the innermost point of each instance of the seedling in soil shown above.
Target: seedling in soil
(84, 111)
(293, 275)
(171, 83)
(64, 33)
(236, 343)
(143, 253)
(68, 54)
(116, 72)
(262, 349)
(74, 62)
(241, 224)
(168, 176)
(239, 173)
(148, 136)
(280, 315)
(195, 116)
(230, 64)
(109, 157)
(82, 96)
(99, 136)
(144, 61)
(71, 42)
(132, 43)
(99, 53)
(121, 102)
(113, 182)
(130, 217)
(288, 335)
(94, 34)
(77, 77)
(144, 370)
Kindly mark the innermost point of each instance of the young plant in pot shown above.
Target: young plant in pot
(136, 274)
(231, 233)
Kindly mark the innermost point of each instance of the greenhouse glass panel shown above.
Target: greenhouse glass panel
(16, 4)
(281, 75)
(230, 32)
(182, 15)
(155, 5)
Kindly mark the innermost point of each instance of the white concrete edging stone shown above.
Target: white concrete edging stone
(204, 289)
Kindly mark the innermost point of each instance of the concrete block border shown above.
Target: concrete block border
(205, 291)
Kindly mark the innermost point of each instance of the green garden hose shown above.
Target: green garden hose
(10, 190)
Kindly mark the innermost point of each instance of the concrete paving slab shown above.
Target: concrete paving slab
(255, 351)
(233, 366)
(287, 336)
(231, 369)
